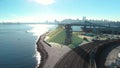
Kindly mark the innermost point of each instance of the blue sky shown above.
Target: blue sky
(42, 10)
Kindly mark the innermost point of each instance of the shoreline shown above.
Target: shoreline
(50, 55)
(42, 51)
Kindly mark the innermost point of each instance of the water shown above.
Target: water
(17, 45)
(76, 28)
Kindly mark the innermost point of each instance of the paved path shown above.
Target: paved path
(50, 54)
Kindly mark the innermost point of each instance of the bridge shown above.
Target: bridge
(87, 26)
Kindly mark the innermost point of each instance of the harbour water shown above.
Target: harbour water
(18, 45)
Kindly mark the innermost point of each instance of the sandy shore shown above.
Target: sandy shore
(50, 54)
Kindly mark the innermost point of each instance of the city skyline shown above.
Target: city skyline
(49, 10)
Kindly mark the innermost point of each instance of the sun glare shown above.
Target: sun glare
(44, 2)
(38, 29)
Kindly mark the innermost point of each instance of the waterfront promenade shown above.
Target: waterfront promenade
(65, 57)
(50, 54)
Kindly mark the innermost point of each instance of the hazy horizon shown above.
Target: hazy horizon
(49, 10)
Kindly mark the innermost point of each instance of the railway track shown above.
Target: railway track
(101, 55)
(78, 57)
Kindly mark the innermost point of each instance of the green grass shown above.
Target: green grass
(75, 41)
(58, 36)
(53, 32)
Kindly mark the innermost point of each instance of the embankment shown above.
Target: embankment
(41, 49)
(50, 54)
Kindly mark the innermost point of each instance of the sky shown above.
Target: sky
(49, 10)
